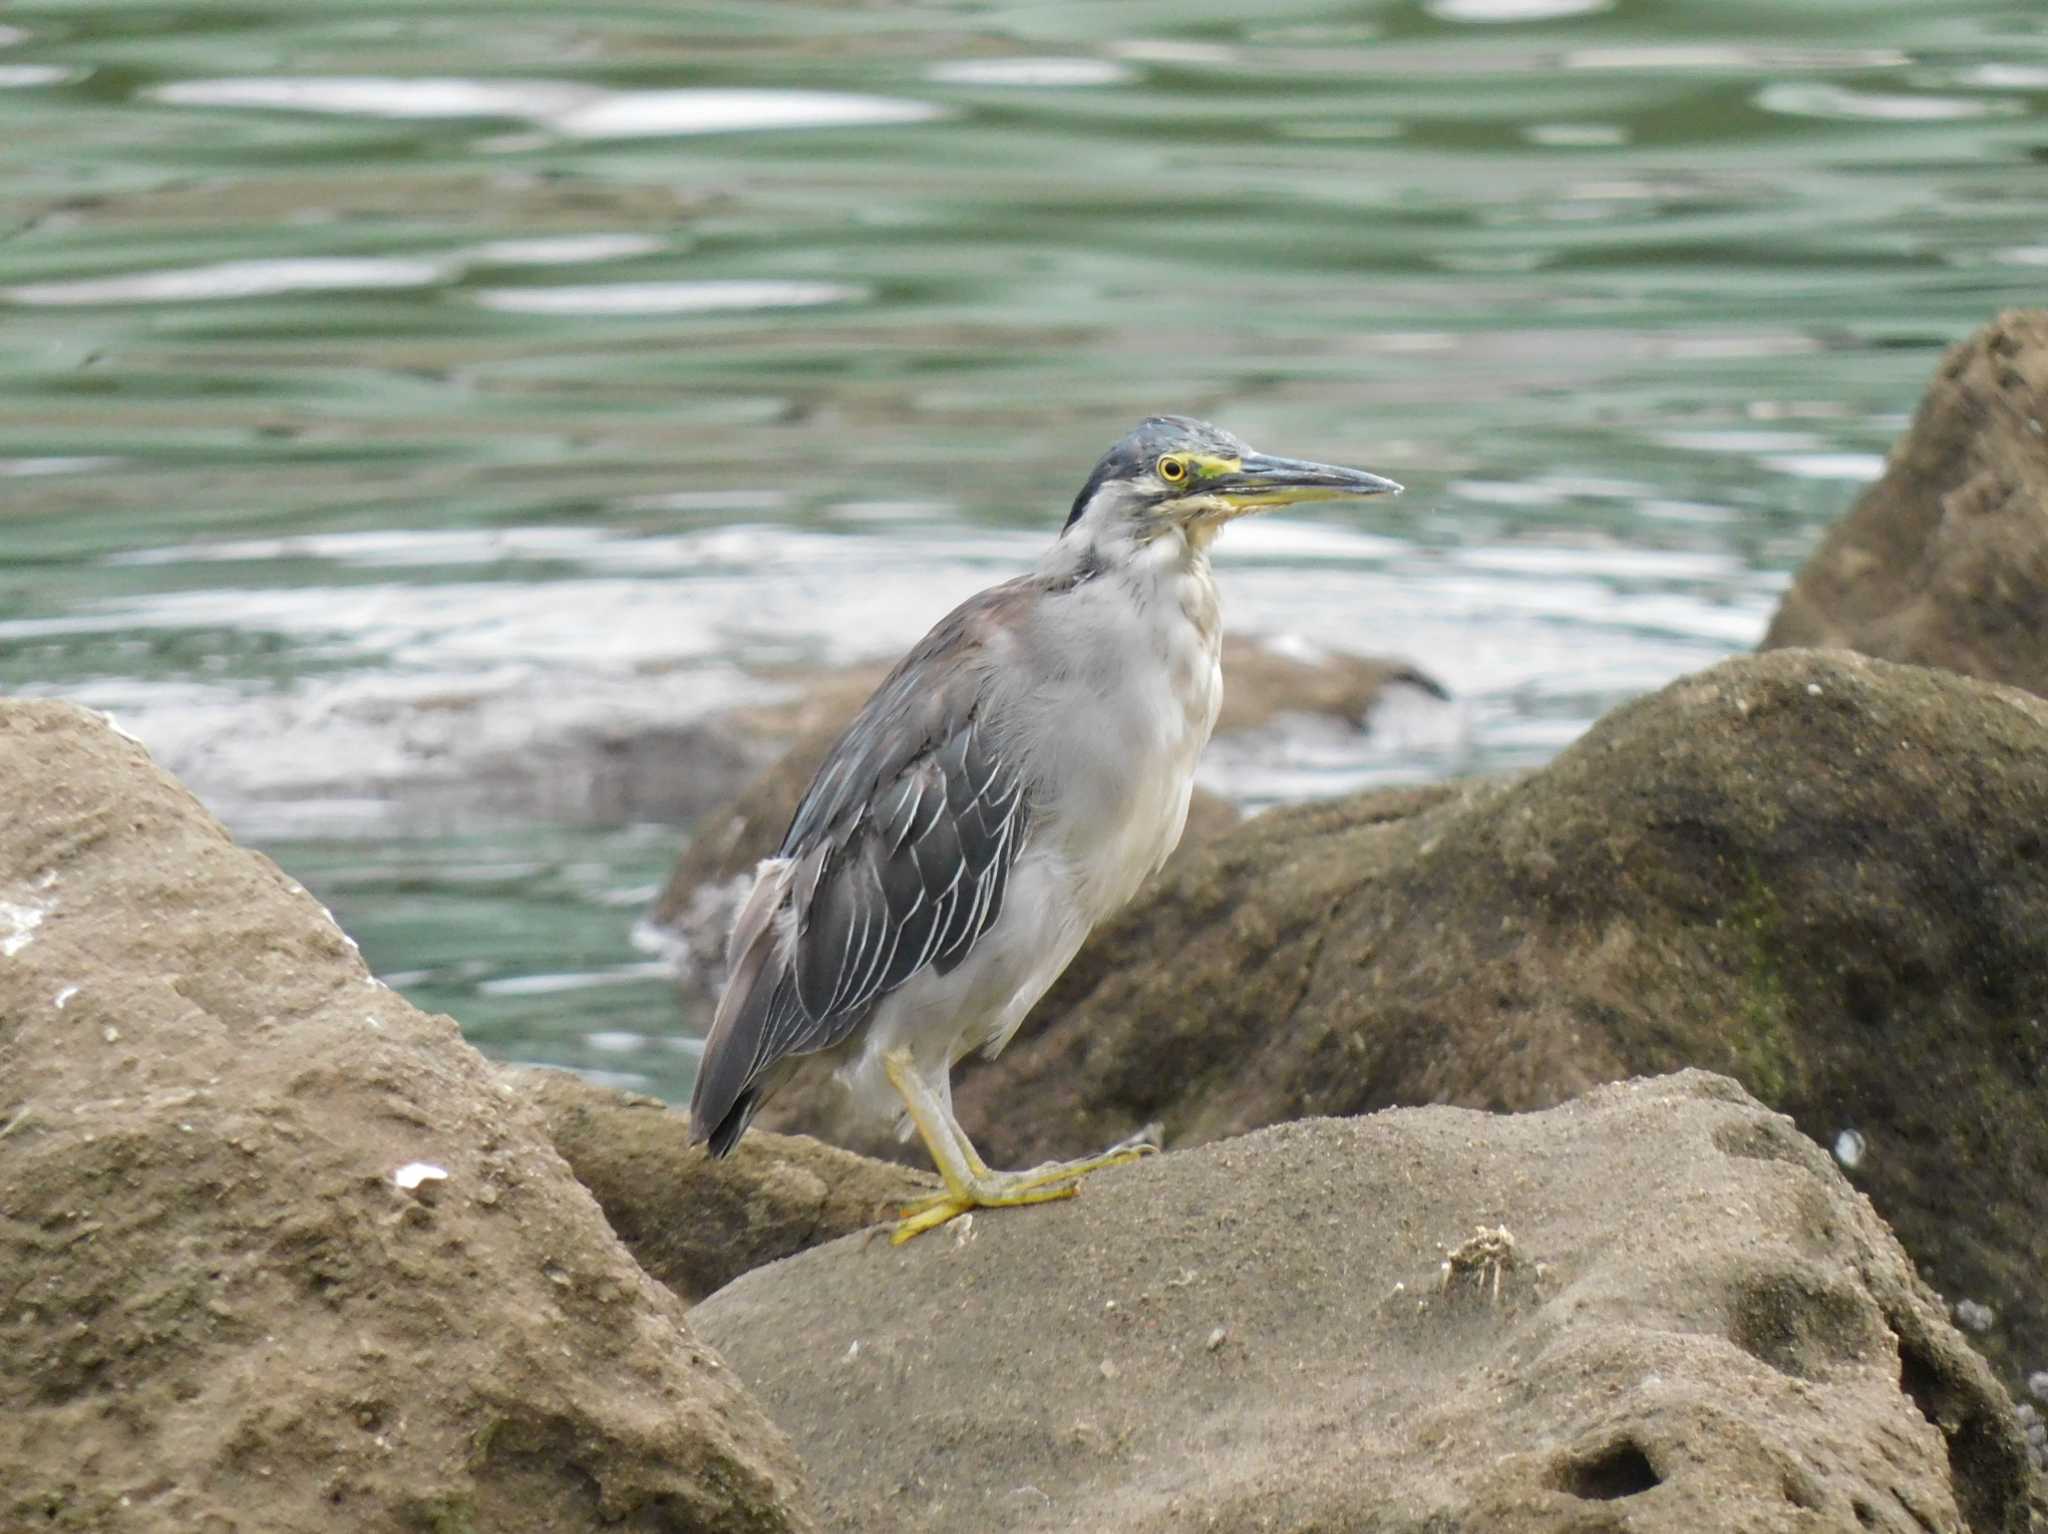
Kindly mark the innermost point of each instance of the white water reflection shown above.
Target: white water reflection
(573, 111)
(1799, 99)
(1802, 454)
(2007, 77)
(29, 76)
(1857, 468)
(235, 279)
(566, 249)
(38, 468)
(1734, 58)
(668, 297)
(1576, 135)
(1513, 10)
(1030, 72)
(224, 281)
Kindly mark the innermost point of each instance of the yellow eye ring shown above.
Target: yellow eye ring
(1173, 470)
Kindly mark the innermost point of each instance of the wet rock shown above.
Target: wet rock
(1824, 875)
(1944, 561)
(1263, 685)
(278, 1251)
(1264, 682)
(695, 1223)
(389, 755)
(1698, 1325)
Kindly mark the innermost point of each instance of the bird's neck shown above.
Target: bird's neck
(1165, 577)
(1164, 554)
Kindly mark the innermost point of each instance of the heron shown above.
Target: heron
(1009, 785)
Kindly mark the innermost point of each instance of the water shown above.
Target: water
(386, 389)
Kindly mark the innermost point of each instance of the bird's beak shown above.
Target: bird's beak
(1259, 480)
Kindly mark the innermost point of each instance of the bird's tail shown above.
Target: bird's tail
(729, 1089)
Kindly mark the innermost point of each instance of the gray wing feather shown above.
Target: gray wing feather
(897, 858)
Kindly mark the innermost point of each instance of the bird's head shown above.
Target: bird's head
(1173, 473)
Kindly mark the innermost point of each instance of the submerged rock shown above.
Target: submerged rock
(279, 1251)
(1821, 874)
(1657, 1308)
(1944, 561)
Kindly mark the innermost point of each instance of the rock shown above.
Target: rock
(1263, 683)
(695, 1223)
(380, 753)
(1944, 561)
(276, 1249)
(1699, 1325)
(1824, 875)
(690, 918)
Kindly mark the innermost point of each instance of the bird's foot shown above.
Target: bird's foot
(997, 1190)
(934, 1210)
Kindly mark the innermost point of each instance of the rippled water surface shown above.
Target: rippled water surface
(389, 387)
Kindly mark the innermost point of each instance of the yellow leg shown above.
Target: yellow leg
(970, 1184)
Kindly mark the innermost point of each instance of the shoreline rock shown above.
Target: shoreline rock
(1944, 560)
(694, 1223)
(1657, 1308)
(277, 1248)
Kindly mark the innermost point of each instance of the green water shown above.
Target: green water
(385, 388)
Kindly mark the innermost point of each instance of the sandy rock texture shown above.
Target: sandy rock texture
(278, 1252)
(1821, 874)
(690, 919)
(695, 1223)
(1944, 561)
(1699, 1325)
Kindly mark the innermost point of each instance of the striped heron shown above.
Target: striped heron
(1009, 785)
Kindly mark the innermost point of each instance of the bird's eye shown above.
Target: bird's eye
(1173, 470)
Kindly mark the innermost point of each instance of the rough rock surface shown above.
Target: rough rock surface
(695, 1223)
(221, 1305)
(1944, 561)
(1699, 1325)
(1821, 874)
(692, 915)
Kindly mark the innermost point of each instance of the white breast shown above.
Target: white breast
(1127, 690)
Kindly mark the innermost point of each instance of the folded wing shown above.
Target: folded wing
(897, 860)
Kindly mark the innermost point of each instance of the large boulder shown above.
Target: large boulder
(696, 1223)
(1944, 561)
(1659, 1308)
(1823, 875)
(1263, 685)
(278, 1251)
